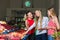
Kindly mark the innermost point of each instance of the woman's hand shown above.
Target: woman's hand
(39, 28)
(51, 27)
(23, 35)
(42, 28)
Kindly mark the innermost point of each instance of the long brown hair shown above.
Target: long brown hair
(38, 18)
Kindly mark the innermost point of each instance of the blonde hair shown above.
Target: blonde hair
(53, 13)
(38, 18)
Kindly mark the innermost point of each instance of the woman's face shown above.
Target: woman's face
(49, 13)
(37, 13)
(30, 15)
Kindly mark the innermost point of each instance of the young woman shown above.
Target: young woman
(29, 21)
(41, 22)
(52, 24)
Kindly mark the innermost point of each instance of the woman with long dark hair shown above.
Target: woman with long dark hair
(29, 21)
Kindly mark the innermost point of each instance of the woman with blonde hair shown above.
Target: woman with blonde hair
(53, 23)
(40, 22)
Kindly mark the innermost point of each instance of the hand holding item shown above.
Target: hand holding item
(24, 33)
(51, 27)
(22, 36)
(40, 28)
(48, 27)
(44, 28)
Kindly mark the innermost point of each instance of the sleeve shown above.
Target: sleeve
(31, 27)
(46, 21)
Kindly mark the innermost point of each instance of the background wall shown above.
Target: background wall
(4, 4)
(15, 3)
(59, 10)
